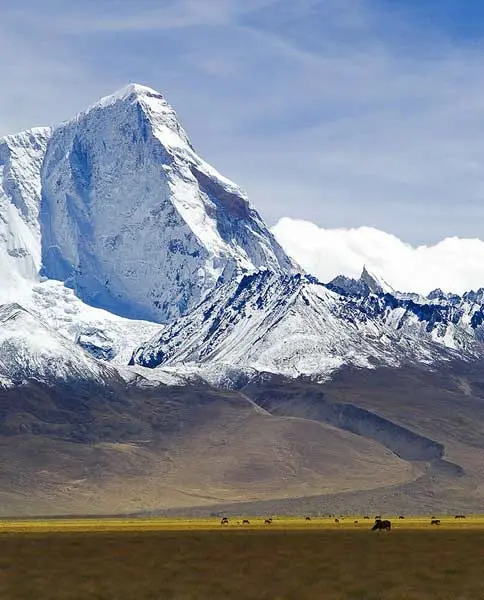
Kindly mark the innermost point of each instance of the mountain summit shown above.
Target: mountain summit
(134, 220)
(375, 283)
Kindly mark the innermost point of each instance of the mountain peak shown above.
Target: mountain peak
(139, 107)
(376, 283)
(135, 220)
(138, 89)
(130, 92)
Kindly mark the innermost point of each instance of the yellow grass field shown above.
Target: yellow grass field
(285, 523)
(199, 559)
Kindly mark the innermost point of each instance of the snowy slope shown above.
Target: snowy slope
(103, 334)
(30, 350)
(295, 326)
(21, 158)
(20, 164)
(135, 221)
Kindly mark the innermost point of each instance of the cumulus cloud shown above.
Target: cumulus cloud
(453, 264)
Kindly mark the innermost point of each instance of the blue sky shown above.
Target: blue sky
(342, 112)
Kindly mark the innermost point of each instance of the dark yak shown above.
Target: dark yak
(382, 525)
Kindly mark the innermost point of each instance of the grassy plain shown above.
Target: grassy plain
(291, 559)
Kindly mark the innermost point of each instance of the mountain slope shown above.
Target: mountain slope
(85, 448)
(296, 326)
(134, 220)
(21, 159)
(103, 334)
(31, 351)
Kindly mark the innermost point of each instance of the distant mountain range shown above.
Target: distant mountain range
(130, 267)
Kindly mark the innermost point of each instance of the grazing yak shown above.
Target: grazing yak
(307, 518)
(268, 521)
(224, 521)
(246, 522)
(435, 522)
(336, 520)
(382, 525)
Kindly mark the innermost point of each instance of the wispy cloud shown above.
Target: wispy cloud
(122, 16)
(343, 112)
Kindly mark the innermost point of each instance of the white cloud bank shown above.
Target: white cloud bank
(453, 264)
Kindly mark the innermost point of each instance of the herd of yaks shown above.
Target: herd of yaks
(379, 525)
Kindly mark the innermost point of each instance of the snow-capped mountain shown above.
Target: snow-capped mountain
(368, 283)
(135, 221)
(112, 217)
(294, 325)
(448, 316)
(112, 214)
(375, 283)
